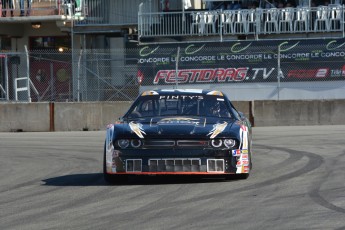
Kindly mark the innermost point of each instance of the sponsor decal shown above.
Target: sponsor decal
(245, 169)
(240, 152)
(321, 73)
(287, 47)
(201, 75)
(179, 120)
(338, 72)
(137, 128)
(235, 48)
(236, 152)
(146, 51)
(219, 75)
(217, 129)
(176, 97)
(308, 73)
(192, 50)
(245, 163)
(244, 156)
(331, 46)
(241, 163)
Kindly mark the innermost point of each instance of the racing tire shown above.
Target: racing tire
(110, 178)
(241, 176)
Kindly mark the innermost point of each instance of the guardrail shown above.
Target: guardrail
(322, 19)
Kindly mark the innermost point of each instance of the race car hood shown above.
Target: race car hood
(188, 127)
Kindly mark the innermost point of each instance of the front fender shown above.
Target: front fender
(109, 148)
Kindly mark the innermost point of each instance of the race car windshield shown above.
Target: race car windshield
(179, 105)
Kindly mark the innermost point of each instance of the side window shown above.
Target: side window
(223, 111)
(234, 111)
(144, 108)
(148, 108)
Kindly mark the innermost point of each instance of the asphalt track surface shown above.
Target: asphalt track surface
(54, 181)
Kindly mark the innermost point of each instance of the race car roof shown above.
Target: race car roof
(182, 91)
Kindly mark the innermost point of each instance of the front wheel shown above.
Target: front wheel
(110, 178)
(241, 176)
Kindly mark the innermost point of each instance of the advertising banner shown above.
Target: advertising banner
(240, 61)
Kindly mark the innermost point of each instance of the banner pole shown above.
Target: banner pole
(176, 71)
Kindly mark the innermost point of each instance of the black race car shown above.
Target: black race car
(179, 132)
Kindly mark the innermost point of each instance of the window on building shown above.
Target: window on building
(50, 42)
(5, 43)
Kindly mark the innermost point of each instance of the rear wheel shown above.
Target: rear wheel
(110, 178)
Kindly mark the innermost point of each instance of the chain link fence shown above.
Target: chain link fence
(90, 75)
(274, 70)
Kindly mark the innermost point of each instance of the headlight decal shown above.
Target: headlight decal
(217, 129)
(137, 128)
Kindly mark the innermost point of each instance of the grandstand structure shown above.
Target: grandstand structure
(298, 22)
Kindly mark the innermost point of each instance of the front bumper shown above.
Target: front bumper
(205, 162)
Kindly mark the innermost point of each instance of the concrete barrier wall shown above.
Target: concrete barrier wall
(87, 115)
(24, 117)
(276, 113)
(69, 116)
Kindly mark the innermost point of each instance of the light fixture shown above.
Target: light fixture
(36, 25)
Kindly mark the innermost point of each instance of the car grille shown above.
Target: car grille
(176, 143)
(159, 143)
(174, 165)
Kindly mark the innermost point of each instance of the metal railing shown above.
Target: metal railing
(257, 22)
(109, 12)
(14, 8)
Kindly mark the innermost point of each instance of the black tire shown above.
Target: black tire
(241, 176)
(110, 178)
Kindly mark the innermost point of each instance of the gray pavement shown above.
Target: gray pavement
(54, 181)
